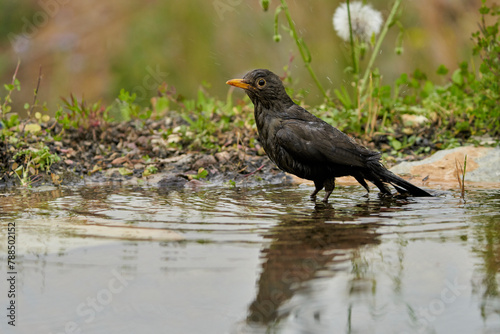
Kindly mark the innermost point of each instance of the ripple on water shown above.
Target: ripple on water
(258, 259)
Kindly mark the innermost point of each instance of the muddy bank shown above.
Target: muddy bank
(134, 152)
(160, 153)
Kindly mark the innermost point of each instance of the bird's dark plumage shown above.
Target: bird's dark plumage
(302, 144)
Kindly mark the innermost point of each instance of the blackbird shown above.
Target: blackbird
(302, 144)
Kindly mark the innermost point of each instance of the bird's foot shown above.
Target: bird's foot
(325, 199)
(385, 195)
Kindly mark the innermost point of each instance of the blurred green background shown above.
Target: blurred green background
(94, 48)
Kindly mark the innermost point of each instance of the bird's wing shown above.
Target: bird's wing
(318, 142)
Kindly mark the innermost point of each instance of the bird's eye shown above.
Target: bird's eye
(261, 82)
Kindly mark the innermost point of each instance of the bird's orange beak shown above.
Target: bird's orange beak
(238, 83)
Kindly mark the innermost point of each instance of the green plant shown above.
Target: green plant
(31, 161)
(149, 170)
(5, 107)
(487, 46)
(206, 119)
(391, 20)
(363, 26)
(81, 116)
(39, 158)
(466, 105)
(129, 109)
(12, 121)
(460, 173)
(199, 114)
(202, 173)
(23, 174)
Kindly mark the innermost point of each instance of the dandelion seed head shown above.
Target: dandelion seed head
(365, 21)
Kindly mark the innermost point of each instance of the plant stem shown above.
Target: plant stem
(463, 177)
(306, 57)
(351, 39)
(355, 67)
(7, 99)
(36, 92)
(376, 49)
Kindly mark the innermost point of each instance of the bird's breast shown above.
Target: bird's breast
(279, 155)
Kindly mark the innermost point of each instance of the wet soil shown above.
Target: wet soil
(135, 151)
(150, 151)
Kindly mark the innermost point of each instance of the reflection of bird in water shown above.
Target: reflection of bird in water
(299, 250)
(304, 145)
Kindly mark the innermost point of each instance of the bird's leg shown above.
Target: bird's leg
(361, 181)
(329, 186)
(382, 187)
(318, 185)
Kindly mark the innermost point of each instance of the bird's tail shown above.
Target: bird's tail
(400, 184)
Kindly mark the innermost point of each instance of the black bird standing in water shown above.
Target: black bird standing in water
(302, 144)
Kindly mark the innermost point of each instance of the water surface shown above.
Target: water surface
(266, 259)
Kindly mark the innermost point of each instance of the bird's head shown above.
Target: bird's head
(262, 86)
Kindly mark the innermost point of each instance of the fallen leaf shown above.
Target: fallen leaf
(56, 179)
(119, 161)
(125, 171)
(32, 128)
(95, 169)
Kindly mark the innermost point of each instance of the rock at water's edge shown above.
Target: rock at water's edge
(483, 165)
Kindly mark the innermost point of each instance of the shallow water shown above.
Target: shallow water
(266, 259)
